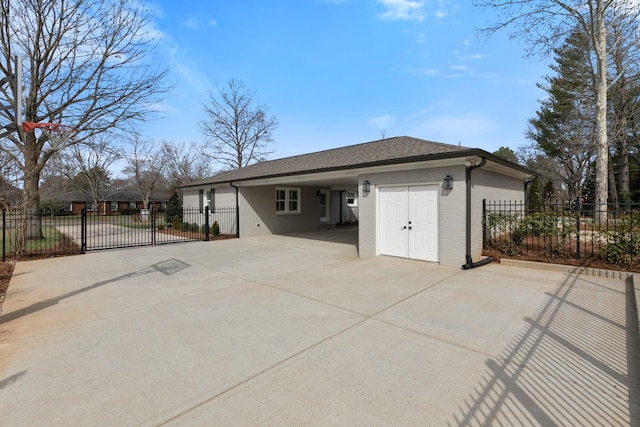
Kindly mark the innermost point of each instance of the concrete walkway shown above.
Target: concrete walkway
(286, 330)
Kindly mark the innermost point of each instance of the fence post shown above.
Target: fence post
(153, 226)
(4, 234)
(206, 223)
(484, 223)
(578, 227)
(83, 231)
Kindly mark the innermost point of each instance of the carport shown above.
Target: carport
(412, 198)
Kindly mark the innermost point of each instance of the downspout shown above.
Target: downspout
(470, 264)
(237, 210)
(526, 187)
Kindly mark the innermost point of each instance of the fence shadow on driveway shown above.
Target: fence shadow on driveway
(575, 362)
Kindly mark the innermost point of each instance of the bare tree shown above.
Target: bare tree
(87, 166)
(544, 24)
(624, 102)
(238, 131)
(86, 65)
(184, 163)
(145, 162)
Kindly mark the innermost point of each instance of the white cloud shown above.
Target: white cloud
(474, 57)
(193, 23)
(452, 129)
(197, 24)
(382, 122)
(456, 71)
(402, 10)
(189, 70)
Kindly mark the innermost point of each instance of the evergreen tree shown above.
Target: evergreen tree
(564, 126)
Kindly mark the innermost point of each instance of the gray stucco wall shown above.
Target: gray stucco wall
(490, 186)
(451, 210)
(224, 196)
(258, 212)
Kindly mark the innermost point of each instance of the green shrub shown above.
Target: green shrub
(508, 248)
(622, 246)
(129, 211)
(176, 224)
(216, 229)
(541, 224)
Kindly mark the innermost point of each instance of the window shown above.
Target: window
(352, 198)
(201, 200)
(287, 200)
(113, 206)
(68, 207)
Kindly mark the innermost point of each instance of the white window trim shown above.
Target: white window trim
(113, 206)
(68, 207)
(287, 201)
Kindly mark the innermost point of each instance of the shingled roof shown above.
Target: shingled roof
(401, 149)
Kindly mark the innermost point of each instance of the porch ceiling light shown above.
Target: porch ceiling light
(448, 183)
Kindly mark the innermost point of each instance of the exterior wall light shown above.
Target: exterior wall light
(448, 183)
(366, 187)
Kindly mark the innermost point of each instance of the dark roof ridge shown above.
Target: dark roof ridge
(327, 150)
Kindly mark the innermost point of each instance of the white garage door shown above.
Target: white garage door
(409, 222)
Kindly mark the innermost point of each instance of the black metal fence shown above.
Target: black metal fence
(563, 230)
(27, 235)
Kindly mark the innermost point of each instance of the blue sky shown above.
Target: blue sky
(341, 72)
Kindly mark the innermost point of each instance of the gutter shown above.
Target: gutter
(237, 210)
(469, 261)
(384, 162)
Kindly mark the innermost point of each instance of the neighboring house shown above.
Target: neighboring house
(112, 203)
(411, 198)
(10, 195)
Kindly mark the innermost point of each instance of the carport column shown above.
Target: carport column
(237, 210)
(206, 223)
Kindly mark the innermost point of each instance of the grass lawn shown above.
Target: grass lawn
(53, 239)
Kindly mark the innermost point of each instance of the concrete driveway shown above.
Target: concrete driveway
(286, 330)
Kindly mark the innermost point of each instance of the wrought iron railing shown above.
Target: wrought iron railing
(563, 230)
(29, 235)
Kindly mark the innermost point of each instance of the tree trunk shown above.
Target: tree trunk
(31, 199)
(602, 144)
(613, 194)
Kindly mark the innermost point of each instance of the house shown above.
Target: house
(412, 198)
(10, 195)
(112, 203)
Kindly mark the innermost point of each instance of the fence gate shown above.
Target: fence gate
(67, 235)
(150, 227)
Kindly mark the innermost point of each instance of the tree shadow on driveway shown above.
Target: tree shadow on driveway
(167, 267)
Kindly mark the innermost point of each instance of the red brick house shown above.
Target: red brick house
(112, 203)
